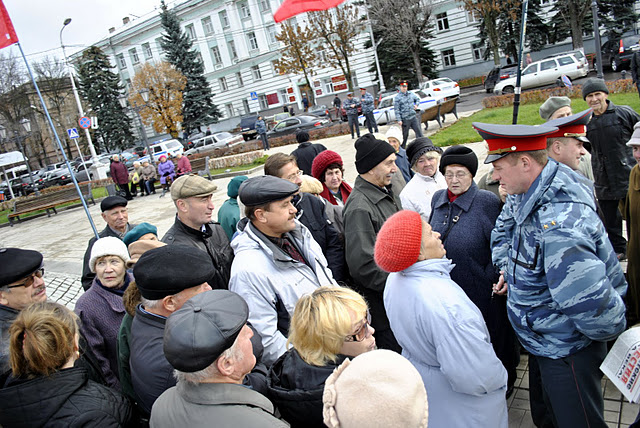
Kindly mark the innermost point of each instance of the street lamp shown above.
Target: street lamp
(26, 124)
(596, 35)
(123, 99)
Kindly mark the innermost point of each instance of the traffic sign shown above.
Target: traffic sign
(254, 96)
(566, 81)
(73, 133)
(84, 122)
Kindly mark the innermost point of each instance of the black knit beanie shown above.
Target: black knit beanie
(593, 85)
(302, 136)
(370, 152)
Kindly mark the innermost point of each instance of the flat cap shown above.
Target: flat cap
(572, 126)
(16, 264)
(264, 189)
(552, 105)
(192, 185)
(168, 270)
(203, 328)
(506, 139)
(111, 202)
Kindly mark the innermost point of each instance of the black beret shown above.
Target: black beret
(203, 328)
(264, 189)
(111, 202)
(302, 136)
(16, 264)
(420, 146)
(370, 152)
(460, 155)
(170, 269)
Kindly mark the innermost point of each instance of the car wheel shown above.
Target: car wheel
(507, 90)
(614, 64)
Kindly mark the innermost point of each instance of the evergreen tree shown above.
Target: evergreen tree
(198, 108)
(509, 25)
(571, 19)
(101, 88)
(616, 16)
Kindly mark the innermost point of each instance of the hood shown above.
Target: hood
(234, 185)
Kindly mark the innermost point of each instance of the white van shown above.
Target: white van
(166, 148)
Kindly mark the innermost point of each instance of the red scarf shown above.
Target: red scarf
(452, 197)
(345, 191)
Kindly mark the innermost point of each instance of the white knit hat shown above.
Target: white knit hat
(394, 132)
(394, 394)
(109, 246)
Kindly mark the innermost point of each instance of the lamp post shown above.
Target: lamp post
(26, 124)
(596, 34)
(123, 99)
(87, 134)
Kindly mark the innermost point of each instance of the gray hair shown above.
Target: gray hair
(149, 304)
(198, 377)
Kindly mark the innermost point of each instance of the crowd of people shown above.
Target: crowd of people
(404, 299)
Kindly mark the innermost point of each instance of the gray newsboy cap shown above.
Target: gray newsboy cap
(203, 328)
(552, 105)
(593, 85)
(264, 189)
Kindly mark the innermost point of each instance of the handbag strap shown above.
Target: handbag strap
(454, 220)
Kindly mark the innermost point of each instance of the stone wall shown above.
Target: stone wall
(235, 160)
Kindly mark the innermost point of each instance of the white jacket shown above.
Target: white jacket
(417, 194)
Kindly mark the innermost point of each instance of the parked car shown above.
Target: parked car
(57, 177)
(321, 110)
(248, 127)
(617, 53)
(498, 74)
(385, 113)
(577, 53)
(129, 158)
(215, 141)
(544, 72)
(295, 123)
(441, 88)
(167, 148)
(385, 94)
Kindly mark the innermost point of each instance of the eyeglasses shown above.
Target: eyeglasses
(294, 176)
(362, 332)
(29, 281)
(458, 175)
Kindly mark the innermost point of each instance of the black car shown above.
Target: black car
(57, 177)
(295, 123)
(497, 74)
(248, 127)
(617, 53)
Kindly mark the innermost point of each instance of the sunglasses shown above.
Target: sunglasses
(29, 281)
(362, 332)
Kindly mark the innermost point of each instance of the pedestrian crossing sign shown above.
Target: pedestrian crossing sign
(73, 133)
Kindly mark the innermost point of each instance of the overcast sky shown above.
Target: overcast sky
(38, 22)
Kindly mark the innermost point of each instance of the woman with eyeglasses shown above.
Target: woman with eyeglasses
(328, 326)
(465, 216)
(43, 387)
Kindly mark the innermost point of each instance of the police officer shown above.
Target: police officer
(367, 110)
(406, 104)
(351, 105)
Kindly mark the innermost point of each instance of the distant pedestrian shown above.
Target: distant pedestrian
(306, 152)
(120, 176)
(337, 104)
(351, 107)
(150, 177)
(229, 213)
(184, 166)
(367, 110)
(305, 102)
(406, 105)
(509, 60)
(285, 109)
(528, 59)
(208, 132)
(261, 128)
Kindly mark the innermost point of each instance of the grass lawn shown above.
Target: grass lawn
(462, 132)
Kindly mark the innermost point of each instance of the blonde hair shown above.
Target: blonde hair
(321, 321)
(42, 339)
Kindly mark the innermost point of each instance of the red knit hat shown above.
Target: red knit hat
(322, 161)
(398, 242)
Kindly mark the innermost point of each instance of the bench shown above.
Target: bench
(200, 166)
(438, 111)
(49, 201)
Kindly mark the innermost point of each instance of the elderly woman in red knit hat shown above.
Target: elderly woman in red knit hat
(441, 332)
(328, 168)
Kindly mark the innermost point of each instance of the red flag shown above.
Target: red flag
(290, 8)
(8, 34)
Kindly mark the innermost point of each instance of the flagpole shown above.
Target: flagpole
(64, 154)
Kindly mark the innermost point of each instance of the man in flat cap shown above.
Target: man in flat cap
(193, 225)
(406, 105)
(311, 213)
(276, 260)
(370, 203)
(115, 214)
(350, 105)
(366, 99)
(608, 131)
(565, 282)
(210, 367)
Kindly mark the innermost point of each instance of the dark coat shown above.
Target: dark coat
(305, 154)
(611, 159)
(311, 213)
(7, 316)
(631, 212)
(87, 275)
(296, 388)
(66, 399)
(119, 173)
(403, 165)
(213, 240)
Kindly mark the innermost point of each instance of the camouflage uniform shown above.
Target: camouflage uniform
(403, 105)
(351, 107)
(565, 291)
(367, 111)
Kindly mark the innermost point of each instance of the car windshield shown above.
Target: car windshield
(222, 136)
(533, 68)
(630, 42)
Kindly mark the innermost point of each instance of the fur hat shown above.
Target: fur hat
(370, 152)
(398, 242)
(461, 155)
(381, 387)
(322, 161)
(552, 105)
(593, 85)
(109, 246)
(420, 146)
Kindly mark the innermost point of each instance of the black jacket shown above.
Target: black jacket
(7, 316)
(305, 154)
(87, 275)
(635, 67)
(213, 240)
(311, 213)
(611, 159)
(296, 388)
(66, 399)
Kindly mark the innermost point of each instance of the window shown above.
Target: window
(478, 51)
(548, 65)
(146, 50)
(443, 21)
(271, 34)
(282, 94)
(448, 58)
(232, 50)
(223, 84)
(200, 57)
(191, 32)
(207, 25)
(122, 61)
(239, 79)
(245, 104)
(327, 85)
(255, 72)
(264, 5)
(253, 42)
(274, 64)
(215, 55)
(224, 19)
(159, 43)
(533, 68)
(133, 54)
(229, 108)
(262, 98)
(565, 60)
(243, 7)
(471, 17)
(127, 83)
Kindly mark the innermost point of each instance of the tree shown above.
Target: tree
(298, 54)
(337, 29)
(100, 87)
(616, 16)
(166, 86)
(569, 20)
(198, 107)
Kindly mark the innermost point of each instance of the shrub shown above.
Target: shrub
(471, 81)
